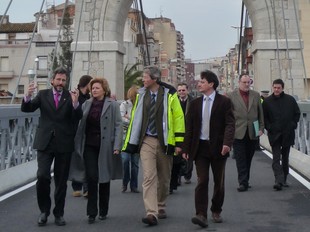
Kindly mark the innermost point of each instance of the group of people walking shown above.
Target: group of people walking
(92, 139)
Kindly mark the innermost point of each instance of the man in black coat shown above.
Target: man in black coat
(281, 114)
(54, 141)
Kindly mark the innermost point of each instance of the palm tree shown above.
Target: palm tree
(132, 76)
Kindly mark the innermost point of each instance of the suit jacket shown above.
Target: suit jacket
(246, 116)
(222, 126)
(54, 123)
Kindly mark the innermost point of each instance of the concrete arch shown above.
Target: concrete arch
(103, 21)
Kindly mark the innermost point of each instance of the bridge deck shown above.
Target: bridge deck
(259, 209)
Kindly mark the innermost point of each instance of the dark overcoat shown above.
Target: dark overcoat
(281, 115)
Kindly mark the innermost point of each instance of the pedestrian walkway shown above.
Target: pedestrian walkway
(259, 209)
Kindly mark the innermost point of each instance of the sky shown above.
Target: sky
(207, 25)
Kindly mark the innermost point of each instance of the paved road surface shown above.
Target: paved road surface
(259, 209)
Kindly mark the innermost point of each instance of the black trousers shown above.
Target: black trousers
(91, 166)
(244, 150)
(204, 160)
(280, 161)
(61, 172)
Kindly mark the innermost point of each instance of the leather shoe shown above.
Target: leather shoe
(200, 220)
(60, 221)
(277, 187)
(124, 189)
(162, 214)
(91, 219)
(242, 188)
(102, 217)
(150, 219)
(134, 190)
(217, 218)
(42, 220)
(285, 184)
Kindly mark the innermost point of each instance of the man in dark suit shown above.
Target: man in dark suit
(209, 134)
(54, 141)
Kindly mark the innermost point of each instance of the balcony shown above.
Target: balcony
(6, 74)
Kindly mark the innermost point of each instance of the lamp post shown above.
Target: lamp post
(31, 74)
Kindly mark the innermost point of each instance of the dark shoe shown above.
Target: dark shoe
(200, 220)
(85, 194)
(179, 181)
(42, 220)
(102, 217)
(60, 221)
(134, 190)
(277, 187)
(170, 191)
(91, 219)
(242, 188)
(217, 218)
(150, 219)
(162, 214)
(124, 189)
(285, 184)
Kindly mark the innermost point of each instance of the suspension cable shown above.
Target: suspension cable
(269, 21)
(144, 30)
(59, 30)
(240, 38)
(27, 53)
(301, 50)
(91, 37)
(6, 11)
(76, 42)
(276, 34)
(287, 49)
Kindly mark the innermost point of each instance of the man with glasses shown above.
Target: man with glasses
(249, 117)
(180, 166)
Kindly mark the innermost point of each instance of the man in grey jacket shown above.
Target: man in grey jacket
(249, 118)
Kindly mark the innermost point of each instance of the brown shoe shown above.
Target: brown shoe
(200, 220)
(162, 214)
(150, 219)
(77, 194)
(217, 218)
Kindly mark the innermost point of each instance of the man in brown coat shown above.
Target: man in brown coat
(209, 134)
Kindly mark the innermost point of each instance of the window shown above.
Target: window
(21, 89)
(4, 63)
(42, 63)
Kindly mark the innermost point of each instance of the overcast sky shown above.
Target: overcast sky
(205, 24)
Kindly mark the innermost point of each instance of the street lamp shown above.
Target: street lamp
(238, 30)
(31, 74)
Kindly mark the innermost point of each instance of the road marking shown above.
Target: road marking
(6, 196)
(298, 177)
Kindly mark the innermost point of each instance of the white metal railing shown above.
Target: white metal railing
(17, 130)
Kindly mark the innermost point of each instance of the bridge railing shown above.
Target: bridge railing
(17, 130)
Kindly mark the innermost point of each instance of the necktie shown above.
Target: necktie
(152, 126)
(206, 118)
(56, 99)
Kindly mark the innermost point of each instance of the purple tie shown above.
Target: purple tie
(56, 99)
